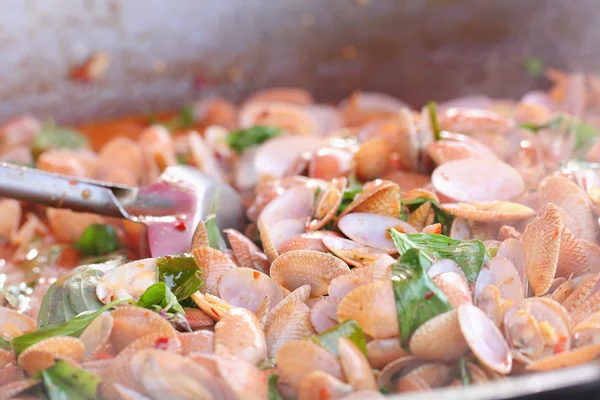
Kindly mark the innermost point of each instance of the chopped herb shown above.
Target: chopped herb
(464, 372)
(182, 159)
(273, 392)
(470, 255)
(73, 328)
(98, 240)
(317, 193)
(64, 382)
(5, 344)
(384, 390)
(215, 238)
(418, 299)
(180, 273)
(56, 137)
(585, 136)
(353, 188)
(440, 216)
(534, 66)
(348, 329)
(160, 295)
(433, 119)
(244, 138)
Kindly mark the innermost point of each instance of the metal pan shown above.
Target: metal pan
(166, 53)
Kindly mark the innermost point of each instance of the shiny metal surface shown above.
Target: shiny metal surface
(164, 53)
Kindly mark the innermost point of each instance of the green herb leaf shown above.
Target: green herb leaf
(64, 382)
(440, 216)
(160, 295)
(181, 159)
(585, 135)
(73, 294)
(348, 329)
(433, 119)
(184, 119)
(273, 392)
(534, 67)
(73, 328)
(244, 138)
(353, 188)
(464, 372)
(215, 239)
(418, 299)
(98, 240)
(267, 363)
(180, 273)
(470, 255)
(56, 137)
(5, 344)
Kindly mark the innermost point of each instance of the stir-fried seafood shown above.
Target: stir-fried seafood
(387, 250)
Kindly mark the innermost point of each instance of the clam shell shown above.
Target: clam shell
(571, 358)
(576, 256)
(267, 242)
(263, 310)
(371, 159)
(10, 390)
(562, 292)
(444, 265)
(213, 265)
(380, 352)
(484, 339)
(379, 197)
(43, 354)
(460, 229)
(247, 288)
(434, 375)
(425, 342)
(290, 322)
(323, 315)
(301, 294)
(246, 252)
(391, 373)
(344, 284)
(355, 366)
(13, 323)
(373, 306)
(372, 230)
(130, 323)
(294, 204)
(327, 204)
(296, 359)
(489, 211)
(455, 287)
(494, 180)
(513, 250)
(355, 254)
(422, 216)
(573, 204)
(211, 305)
(197, 342)
(306, 267)
(501, 273)
(10, 373)
(328, 163)
(96, 336)
(127, 281)
(317, 383)
(541, 244)
(580, 293)
(200, 238)
(309, 241)
(239, 334)
(244, 379)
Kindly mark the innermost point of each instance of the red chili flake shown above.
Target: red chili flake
(161, 343)
(428, 295)
(324, 394)
(256, 274)
(560, 346)
(180, 226)
(168, 257)
(72, 182)
(103, 355)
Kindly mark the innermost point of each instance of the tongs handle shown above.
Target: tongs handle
(59, 191)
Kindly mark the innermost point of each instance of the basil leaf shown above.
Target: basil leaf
(5, 344)
(273, 392)
(464, 372)
(433, 119)
(470, 255)
(180, 273)
(348, 329)
(418, 299)
(98, 240)
(57, 137)
(534, 67)
(73, 328)
(215, 239)
(160, 295)
(73, 293)
(353, 188)
(64, 382)
(440, 216)
(242, 139)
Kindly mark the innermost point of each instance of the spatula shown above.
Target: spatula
(170, 208)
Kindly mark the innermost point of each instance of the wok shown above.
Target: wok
(166, 53)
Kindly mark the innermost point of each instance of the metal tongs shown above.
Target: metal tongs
(170, 208)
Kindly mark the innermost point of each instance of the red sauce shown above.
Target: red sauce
(256, 274)
(161, 343)
(180, 226)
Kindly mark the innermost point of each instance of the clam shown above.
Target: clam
(130, 323)
(44, 354)
(239, 334)
(372, 230)
(342, 285)
(96, 336)
(422, 216)
(200, 238)
(308, 241)
(327, 204)
(245, 380)
(460, 229)
(541, 244)
(373, 307)
(571, 358)
(456, 181)
(127, 281)
(263, 311)
(323, 315)
(306, 267)
(501, 273)
(381, 352)
(444, 265)
(247, 288)
(576, 256)
(355, 366)
(392, 372)
(355, 254)
(329, 163)
(587, 331)
(562, 292)
(581, 292)
(197, 342)
(455, 287)
(484, 339)
(371, 159)
(301, 294)
(211, 305)
(489, 211)
(473, 120)
(379, 197)
(290, 322)
(13, 323)
(425, 342)
(433, 375)
(319, 384)
(246, 252)
(298, 358)
(512, 250)
(213, 264)
(12, 389)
